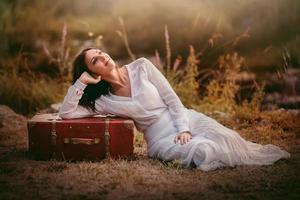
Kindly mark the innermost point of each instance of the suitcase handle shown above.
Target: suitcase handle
(86, 141)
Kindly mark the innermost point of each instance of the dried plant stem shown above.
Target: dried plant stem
(124, 37)
(168, 49)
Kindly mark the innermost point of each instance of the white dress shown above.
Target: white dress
(160, 115)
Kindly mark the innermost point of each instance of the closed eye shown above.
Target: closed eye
(95, 60)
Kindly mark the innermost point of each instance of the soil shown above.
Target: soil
(22, 177)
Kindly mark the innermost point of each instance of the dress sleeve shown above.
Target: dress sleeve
(70, 107)
(168, 95)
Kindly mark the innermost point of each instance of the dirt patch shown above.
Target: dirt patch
(13, 129)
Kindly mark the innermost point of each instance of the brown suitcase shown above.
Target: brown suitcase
(92, 138)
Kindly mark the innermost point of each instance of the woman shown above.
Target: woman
(138, 90)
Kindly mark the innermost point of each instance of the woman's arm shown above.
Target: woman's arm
(168, 95)
(70, 107)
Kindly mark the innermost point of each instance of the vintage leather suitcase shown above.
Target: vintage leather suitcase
(92, 138)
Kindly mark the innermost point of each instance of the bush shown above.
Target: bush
(27, 93)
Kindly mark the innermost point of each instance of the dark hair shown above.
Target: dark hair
(92, 91)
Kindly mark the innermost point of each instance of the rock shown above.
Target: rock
(13, 129)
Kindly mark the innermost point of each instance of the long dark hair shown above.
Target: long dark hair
(92, 91)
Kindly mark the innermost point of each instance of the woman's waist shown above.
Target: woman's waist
(162, 121)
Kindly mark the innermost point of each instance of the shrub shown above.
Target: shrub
(27, 93)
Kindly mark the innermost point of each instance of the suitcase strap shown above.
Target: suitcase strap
(107, 138)
(53, 138)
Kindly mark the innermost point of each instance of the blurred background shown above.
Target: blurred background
(39, 39)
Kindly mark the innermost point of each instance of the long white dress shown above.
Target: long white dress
(158, 112)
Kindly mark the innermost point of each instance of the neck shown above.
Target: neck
(117, 78)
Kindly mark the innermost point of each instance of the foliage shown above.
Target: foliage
(185, 77)
(28, 93)
(251, 110)
(221, 90)
(187, 87)
(25, 23)
(183, 81)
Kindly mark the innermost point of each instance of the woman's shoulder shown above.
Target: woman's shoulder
(140, 64)
(137, 63)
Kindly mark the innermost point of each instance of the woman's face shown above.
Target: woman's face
(98, 62)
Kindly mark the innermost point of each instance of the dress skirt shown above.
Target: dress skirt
(212, 145)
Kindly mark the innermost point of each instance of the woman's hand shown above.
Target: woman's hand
(184, 137)
(87, 78)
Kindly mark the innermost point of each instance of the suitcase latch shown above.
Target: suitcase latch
(87, 141)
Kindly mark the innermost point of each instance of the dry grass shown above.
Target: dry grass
(29, 93)
(145, 178)
(276, 127)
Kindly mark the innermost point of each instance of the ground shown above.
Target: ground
(22, 177)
